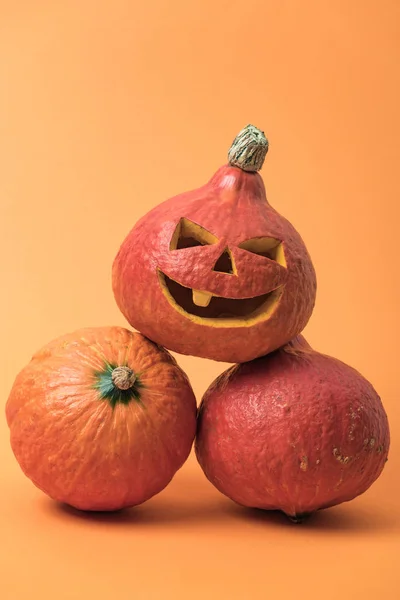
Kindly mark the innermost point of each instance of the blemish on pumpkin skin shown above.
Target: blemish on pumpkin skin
(339, 457)
(304, 463)
(354, 416)
(339, 483)
(369, 442)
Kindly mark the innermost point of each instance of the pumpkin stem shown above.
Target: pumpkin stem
(123, 378)
(299, 518)
(248, 149)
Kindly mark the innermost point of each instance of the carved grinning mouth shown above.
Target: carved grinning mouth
(218, 311)
(231, 311)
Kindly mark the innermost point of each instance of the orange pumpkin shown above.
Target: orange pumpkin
(101, 419)
(217, 272)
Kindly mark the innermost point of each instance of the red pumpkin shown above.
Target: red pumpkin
(217, 272)
(294, 431)
(101, 419)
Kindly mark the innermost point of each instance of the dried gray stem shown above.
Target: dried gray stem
(248, 149)
(123, 378)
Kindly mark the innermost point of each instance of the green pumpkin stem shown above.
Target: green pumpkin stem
(249, 149)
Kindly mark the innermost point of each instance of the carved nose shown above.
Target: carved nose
(225, 263)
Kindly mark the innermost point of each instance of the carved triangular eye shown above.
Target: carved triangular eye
(265, 246)
(189, 234)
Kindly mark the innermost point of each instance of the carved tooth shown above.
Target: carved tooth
(201, 298)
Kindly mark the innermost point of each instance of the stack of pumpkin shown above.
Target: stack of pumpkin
(103, 418)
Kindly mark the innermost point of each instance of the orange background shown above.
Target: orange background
(106, 109)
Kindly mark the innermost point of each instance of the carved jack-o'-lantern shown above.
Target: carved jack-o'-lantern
(217, 272)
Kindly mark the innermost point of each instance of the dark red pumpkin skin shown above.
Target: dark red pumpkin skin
(234, 208)
(295, 431)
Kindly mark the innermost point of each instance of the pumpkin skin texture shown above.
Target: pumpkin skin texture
(294, 431)
(101, 419)
(216, 272)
